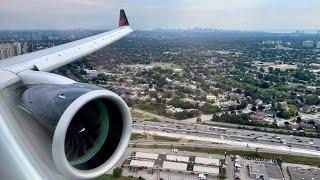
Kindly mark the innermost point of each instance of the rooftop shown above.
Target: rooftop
(207, 161)
(139, 163)
(206, 169)
(175, 166)
(303, 173)
(177, 158)
(146, 155)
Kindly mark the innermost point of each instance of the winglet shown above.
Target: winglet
(123, 19)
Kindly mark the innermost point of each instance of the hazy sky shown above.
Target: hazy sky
(150, 14)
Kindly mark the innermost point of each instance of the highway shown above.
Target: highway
(235, 138)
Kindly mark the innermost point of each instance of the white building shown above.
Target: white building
(206, 169)
(207, 161)
(142, 155)
(308, 43)
(91, 73)
(10, 50)
(174, 166)
(318, 45)
(177, 158)
(140, 163)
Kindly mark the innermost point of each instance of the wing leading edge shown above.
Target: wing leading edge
(53, 58)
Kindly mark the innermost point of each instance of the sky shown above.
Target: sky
(256, 15)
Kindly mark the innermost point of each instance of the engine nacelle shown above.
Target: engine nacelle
(90, 126)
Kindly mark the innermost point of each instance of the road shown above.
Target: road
(235, 138)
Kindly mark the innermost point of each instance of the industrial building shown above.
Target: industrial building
(264, 170)
(173, 162)
(205, 169)
(299, 173)
(175, 166)
(207, 161)
(142, 155)
(177, 158)
(139, 163)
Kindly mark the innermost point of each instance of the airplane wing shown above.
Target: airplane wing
(52, 127)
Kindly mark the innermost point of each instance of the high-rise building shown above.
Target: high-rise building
(318, 45)
(308, 43)
(25, 48)
(10, 50)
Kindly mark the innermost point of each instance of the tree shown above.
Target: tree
(279, 161)
(209, 108)
(198, 120)
(270, 70)
(117, 172)
(299, 120)
(317, 128)
(311, 99)
(153, 94)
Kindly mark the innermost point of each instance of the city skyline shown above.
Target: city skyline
(245, 15)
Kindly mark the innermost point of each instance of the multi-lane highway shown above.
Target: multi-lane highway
(235, 138)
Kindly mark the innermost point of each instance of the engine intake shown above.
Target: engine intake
(90, 126)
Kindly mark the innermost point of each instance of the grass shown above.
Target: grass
(140, 116)
(164, 138)
(110, 177)
(135, 136)
(285, 157)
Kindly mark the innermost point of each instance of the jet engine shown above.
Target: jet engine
(90, 126)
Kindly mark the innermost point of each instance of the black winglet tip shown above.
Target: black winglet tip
(123, 21)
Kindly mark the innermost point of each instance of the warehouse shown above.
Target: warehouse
(207, 161)
(138, 163)
(177, 158)
(175, 166)
(142, 155)
(206, 170)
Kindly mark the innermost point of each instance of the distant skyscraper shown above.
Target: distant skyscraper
(308, 43)
(10, 50)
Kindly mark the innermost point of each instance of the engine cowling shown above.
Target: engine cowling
(90, 126)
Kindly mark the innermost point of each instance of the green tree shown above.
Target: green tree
(209, 108)
(117, 172)
(317, 128)
(311, 99)
(198, 120)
